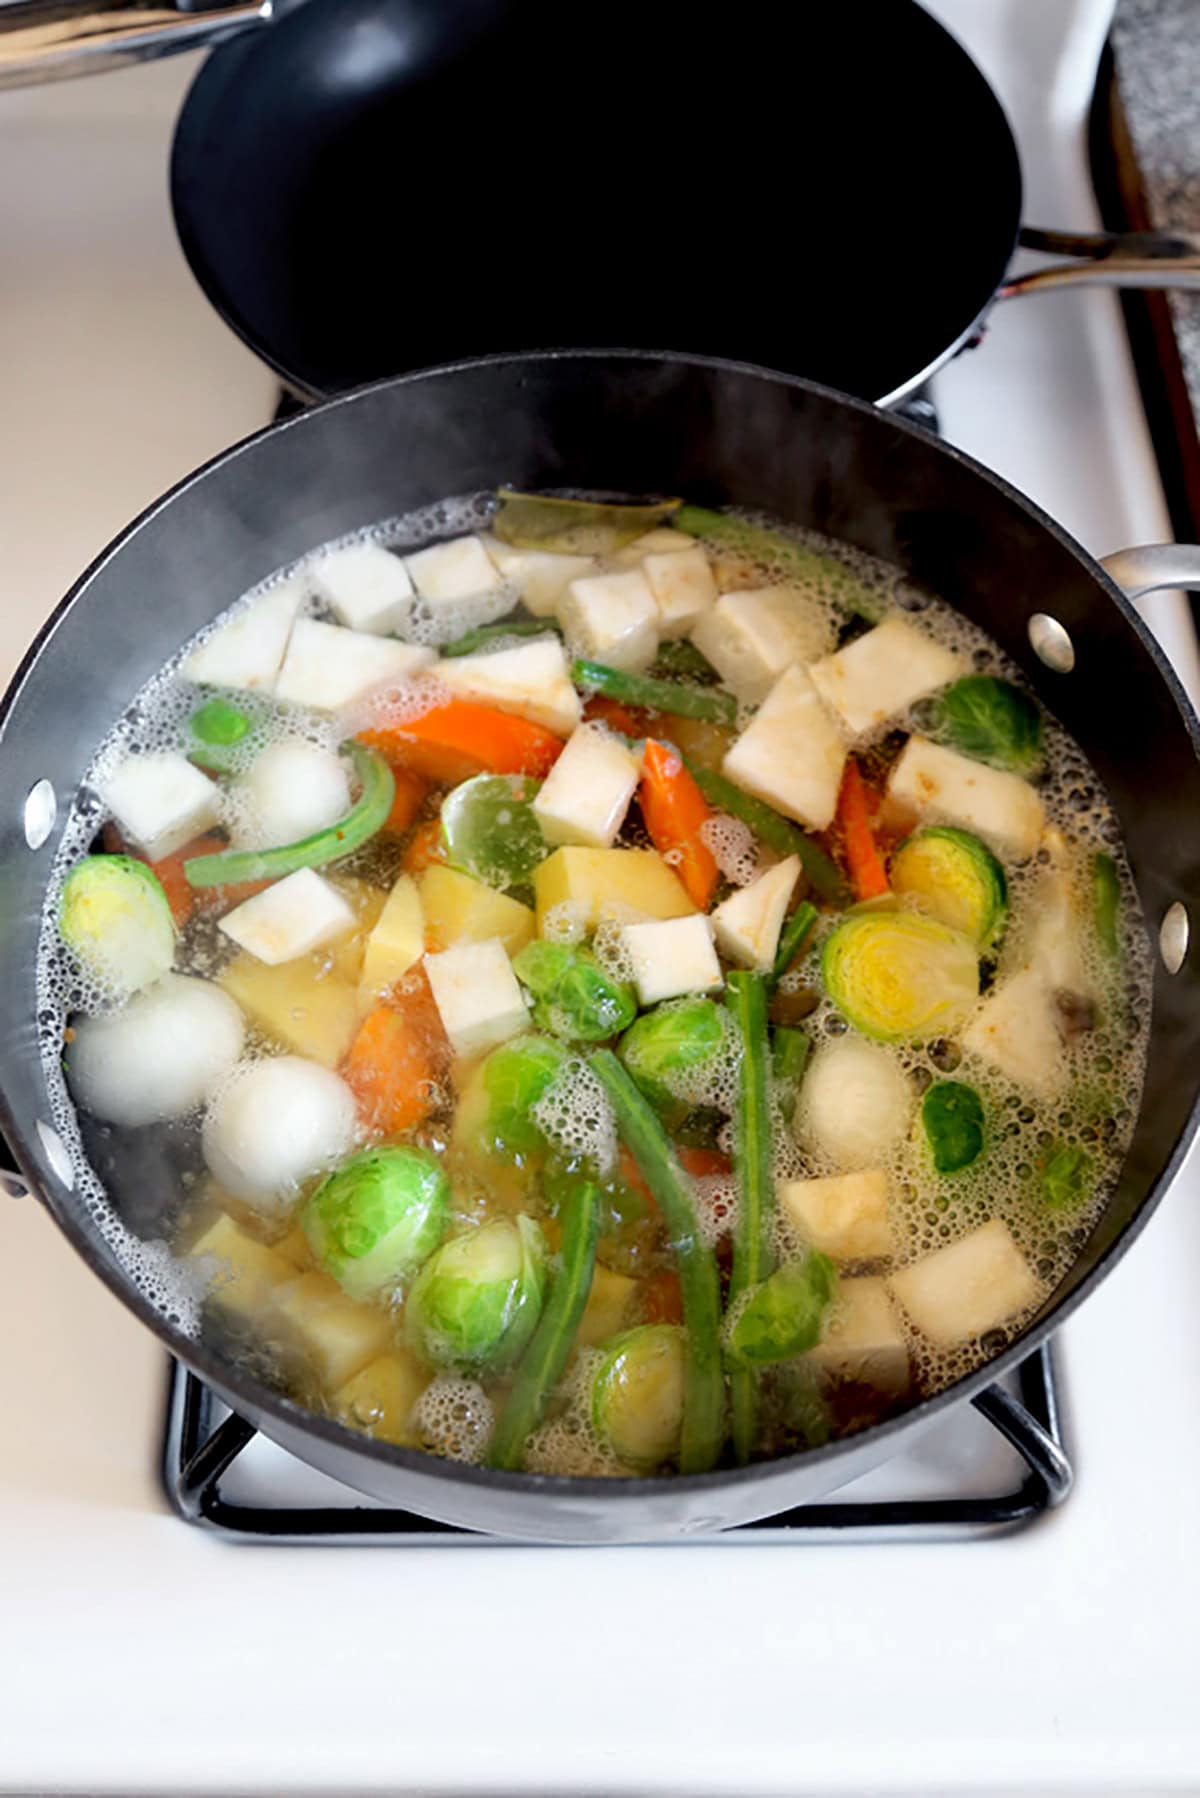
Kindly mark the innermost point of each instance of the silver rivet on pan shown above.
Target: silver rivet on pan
(1173, 935)
(41, 809)
(1051, 644)
(56, 1154)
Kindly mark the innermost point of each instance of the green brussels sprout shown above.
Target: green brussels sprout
(783, 1316)
(377, 1218)
(476, 1302)
(956, 879)
(1106, 903)
(672, 1051)
(991, 720)
(637, 1395)
(494, 1125)
(899, 976)
(1067, 1174)
(952, 1116)
(115, 917)
(573, 996)
(490, 829)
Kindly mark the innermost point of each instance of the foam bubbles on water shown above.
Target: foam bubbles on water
(454, 1417)
(733, 847)
(575, 1114)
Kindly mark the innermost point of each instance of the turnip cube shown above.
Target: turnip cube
(1014, 1030)
(585, 796)
(477, 995)
(671, 957)
(971, 1286)
(659, 542)
(844, 1215)
(612, 618)
(682, 583)
(748, 923)
(245, 653)
(327, 667)
(863, 1341)
(364, 585)
(540, 576)
(883, 672)
(952, 789)
(291, 918)
(791, 754)
(752, 636)
(160, 802)
(531, 680)
(459, 569)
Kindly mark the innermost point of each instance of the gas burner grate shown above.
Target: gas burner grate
(204, 1441)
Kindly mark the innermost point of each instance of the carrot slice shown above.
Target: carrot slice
(865, 865)
(395, 1059)
(406, 801)
(451, 742)
(674, 809)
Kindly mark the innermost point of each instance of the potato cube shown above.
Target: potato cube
(844, 1215)
(586, 794)
(882, 672)
(682, 583)
(672, 957)
(365, 586)
(589, 887)
(160, 802)
(751, 637)
(326, 667)
(1014, 1030)
(246, 1270)
(299, 1004)
(246, 652)
(295, 1249)
(451, 571)
(863, 1340)
(330, 1334)
(380, 1397)
(612, 618)
(748, 923)
(540, 576)
(792, 753)
(607, 1310)
(477, 995)
(457, 908)
(971, 1286)
(659, 542)
(397, 941)
(531, 680)
(289, 919)
(949, 788)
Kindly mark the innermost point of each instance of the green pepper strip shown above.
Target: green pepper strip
(746, 999)
(775, 831)
(543, 1361)
(791, 940)
(647, 1142)
(229, 867)
(729, 532)
(714, 707)
(485, 634)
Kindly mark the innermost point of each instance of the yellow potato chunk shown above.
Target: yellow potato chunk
(381, 1396)
(301, 1004)
(295, 1250)
(607, 1310)
(460, 909)
(395, 943)
(331, 1334)
(247, 1271)
(344, 956)
(595, 886)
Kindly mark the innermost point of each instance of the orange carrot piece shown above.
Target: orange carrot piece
(406, 802)
(867, 872)
(662, 1298)
(674, 809)
(700, 1163)
(451, 742)
(394, 1061)
(424, 847)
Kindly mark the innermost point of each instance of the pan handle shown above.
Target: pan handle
(12, 1184)
(51, 40)
(1108, 259)
(1154, 565)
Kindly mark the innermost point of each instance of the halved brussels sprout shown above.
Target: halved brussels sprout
(952, 1116)
(115, 917)
(637, 1395)
(899, 976)
(956, 879)
(377, 1218)
(1067, 1176)
(991, 720)
(476, 1303)
(573, 996)
(490, 829)
(494, 1126)
(670, 1051)
(783, 1316)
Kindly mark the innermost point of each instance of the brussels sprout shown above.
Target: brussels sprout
(114, 915)
(573, 995)
(476, 1302)
(670, 1051)
(991, 720)
(637, 1395)
(494, 1121)
(490, 830)
(1067, 1173)
(952, 1116)
(783, 1316)
(1106, 903)
(376, 1218)
(956, 879)
(899, 976)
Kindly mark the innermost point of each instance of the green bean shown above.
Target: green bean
(485, 635)
(1106, 903)
(542, 1363)
(648, 1143)
(791, 940)
(791, 1050)
(681, 660)
(730, 532)
(746, 999)
(713, 705)
(778, 833)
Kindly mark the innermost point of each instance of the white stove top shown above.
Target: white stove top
(137, 1655)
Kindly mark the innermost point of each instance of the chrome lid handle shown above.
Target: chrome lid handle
(53, 40)
(1154, 565)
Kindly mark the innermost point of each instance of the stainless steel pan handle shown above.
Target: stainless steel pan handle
(1154, 565)
(1160, 259)
(51, 40)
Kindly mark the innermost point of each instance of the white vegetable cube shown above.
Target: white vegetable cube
(972, 1285)
(586, 794)
(364, 585)
(661, 541)
(863, 1340)
(160, 802)
(952, 789)
(612, 618)
(477, 995)
(748, 923)
(791, 754)
(451, 571)
(1015, 1031)
(291, 918)
(750, 637)
(682, 583)
(396, 942)
(245, 653)
(672, 957)
(540, 576)
(532, 680)
(844, 1215)
(883, 672)
(327, 667)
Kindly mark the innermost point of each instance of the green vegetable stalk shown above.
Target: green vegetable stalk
(714, 705)
(795, 559)
(679, 659)
(647, 1142)
(542, 1364)
(1106, 903)
(485, 635)
(791, 940)
(747, 1002)
(790, 1053)
(229, 867)
(778, 833)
